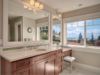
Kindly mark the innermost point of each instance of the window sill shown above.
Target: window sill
(89, 49)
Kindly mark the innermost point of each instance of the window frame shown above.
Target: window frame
(66, 36)
(57, 22)
(94, 47)
(38, 34)
(60, 32)
(85, 33)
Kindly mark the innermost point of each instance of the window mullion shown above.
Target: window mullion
(85, 33)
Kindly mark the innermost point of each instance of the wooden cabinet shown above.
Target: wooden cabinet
(26, 71)
(50, 66)
(45, 64)
(58, 62)
(21, 64)
(39, 67)
(67, 53)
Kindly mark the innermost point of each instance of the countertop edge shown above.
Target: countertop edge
(40, 53)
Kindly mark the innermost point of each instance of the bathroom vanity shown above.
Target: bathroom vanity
(32, 62)
(22, 28)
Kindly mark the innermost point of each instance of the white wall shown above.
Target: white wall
(1, 20)
(87, 56)
(1, 7)
(27, 22)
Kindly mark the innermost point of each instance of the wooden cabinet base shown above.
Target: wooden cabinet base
(26, 71)
(45, 64)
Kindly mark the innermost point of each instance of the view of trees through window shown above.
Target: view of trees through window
(44, 33)
(93, 32)
(56, 33)
(75, 32)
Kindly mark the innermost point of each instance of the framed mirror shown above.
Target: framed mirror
(57, 31)
(21, 23)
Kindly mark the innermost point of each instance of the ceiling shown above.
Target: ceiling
(69, 5)
(15, 9)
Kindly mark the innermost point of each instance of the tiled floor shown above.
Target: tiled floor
(78, 71)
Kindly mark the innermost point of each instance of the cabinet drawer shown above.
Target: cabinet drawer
(26, 71)
(67, 53)
(59, 51)
(21, 64)
(43, 56)
(52, 53)
(37, 58)
(59, 54)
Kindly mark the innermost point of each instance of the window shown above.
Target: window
(56, 33)
(75, 33)
(42, 33)
(93, 32)
(78, 32)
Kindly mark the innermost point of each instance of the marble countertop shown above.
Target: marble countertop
(18, 54)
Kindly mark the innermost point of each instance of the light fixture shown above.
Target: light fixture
(57, 15)
(32, 2)
(37, 4)
(54, 17)
(32, 5)
(41, 6)
(25, 6)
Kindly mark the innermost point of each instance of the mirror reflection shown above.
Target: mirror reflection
(56, 31)
(26, 24)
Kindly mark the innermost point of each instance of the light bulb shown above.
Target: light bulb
(54, 17)
(59, 15)
(32, 2)
(29, 8)
(25, 6)
(41, 6)
(37, 4)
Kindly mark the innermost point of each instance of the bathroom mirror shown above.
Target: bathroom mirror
(22, 24)
(56, 29)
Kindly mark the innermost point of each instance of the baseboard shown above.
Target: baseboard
(88, 67)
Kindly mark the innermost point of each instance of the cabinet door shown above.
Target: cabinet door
(50, 67)
(23, 72)
(38, 68)
(58, 63)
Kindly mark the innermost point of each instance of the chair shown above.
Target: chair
(70, 59)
